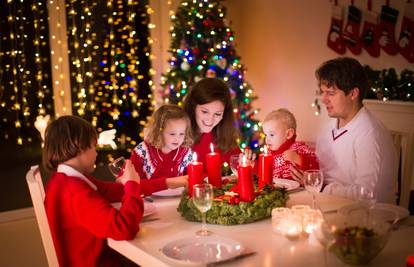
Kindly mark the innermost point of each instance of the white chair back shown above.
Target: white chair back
(37, 193)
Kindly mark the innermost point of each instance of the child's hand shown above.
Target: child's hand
(292, 156)
(250, 157)
(179, 181)
(129, 173)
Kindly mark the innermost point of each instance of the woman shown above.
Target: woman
(209, 106)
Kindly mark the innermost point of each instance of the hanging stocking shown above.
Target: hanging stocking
(406, 40)
(351, 30)
(369, 32)
(335, 41)
(386, 29)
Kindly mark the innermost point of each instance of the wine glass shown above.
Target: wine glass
(203, 199)
(313, 181)
(234, 163)
(116, 167)
(366, 196)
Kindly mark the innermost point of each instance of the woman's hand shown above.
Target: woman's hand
(129, 174)
(175, 182)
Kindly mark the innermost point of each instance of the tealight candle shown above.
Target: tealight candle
(195, 173)
(265, 168)
(213, 162)
(292, 227)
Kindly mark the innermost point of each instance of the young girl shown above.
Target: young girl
(279, 126)
(164, 154)
(209, 106)
(77, 205)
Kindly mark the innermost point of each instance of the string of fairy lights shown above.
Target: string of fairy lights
(23, 61)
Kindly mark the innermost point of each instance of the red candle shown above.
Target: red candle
(265, 168)
(195, 174)
(213, 161)
(245, 182)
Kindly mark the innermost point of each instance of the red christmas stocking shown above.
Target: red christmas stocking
(335, 41)
(386, 29)
(406, 40)
(370, 34)
(351, 31)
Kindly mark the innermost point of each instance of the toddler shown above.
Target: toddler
(279, 126)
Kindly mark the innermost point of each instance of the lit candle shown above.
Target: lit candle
(213, 161)
(245, 182)
(292, 227)
(195, 173)
(265, 168)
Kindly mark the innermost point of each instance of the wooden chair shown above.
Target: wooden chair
(37, 193)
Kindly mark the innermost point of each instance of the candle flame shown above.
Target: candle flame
(211, 147)
(244, 160)
(194, 156)
(265, 149)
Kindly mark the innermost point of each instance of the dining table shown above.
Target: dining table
(271, 248)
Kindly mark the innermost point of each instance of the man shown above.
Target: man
(356, 151)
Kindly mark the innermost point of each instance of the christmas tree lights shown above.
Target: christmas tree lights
(202, 45)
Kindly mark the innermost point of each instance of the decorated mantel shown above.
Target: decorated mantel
(398, 117)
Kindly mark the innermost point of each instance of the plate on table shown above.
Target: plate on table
(169, 192)
(386, 210)
(289, 184)
(149, 208)
(202, 249)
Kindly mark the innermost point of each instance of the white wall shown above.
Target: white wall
(281, 43)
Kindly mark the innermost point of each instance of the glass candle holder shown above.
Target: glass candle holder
(291, 227)
(278, 216)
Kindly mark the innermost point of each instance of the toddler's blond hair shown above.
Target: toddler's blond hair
(283, 115)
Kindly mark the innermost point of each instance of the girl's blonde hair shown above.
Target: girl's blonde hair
(283, 115)
(159, 120)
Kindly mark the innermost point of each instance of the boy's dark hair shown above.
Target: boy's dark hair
(345, 73)
(203, 92)
(65, 138)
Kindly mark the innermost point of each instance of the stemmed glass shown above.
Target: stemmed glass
(234, 163)
(203, 199)
(116, 167)
(366, 196)
(313, 181)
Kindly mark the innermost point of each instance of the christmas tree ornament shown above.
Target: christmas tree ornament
(370, 34)
(211, 73)
(386, 29)
(185, 66)
(222, 63)
(406, 40)
(335, 41)
(351, 31)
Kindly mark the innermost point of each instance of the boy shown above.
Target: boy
(77, 205)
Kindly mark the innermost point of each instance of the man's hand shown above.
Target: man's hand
(297, 174)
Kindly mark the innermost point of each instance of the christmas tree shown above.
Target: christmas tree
(202, 45)
(121, 96)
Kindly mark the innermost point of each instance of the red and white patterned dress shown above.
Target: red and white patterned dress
(281, 167)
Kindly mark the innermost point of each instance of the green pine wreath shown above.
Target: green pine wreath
(226, 211)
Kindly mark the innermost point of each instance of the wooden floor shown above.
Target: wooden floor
(20, 243)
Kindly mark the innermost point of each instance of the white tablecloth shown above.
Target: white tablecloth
(272, 249)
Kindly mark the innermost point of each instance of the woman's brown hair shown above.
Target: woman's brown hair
(65, 138)
(158, 121)
(206, 91)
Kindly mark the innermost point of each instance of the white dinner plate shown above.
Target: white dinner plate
(149, 208)
(202, 249)
(382, 208)
(169, 192)
(289, 184)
